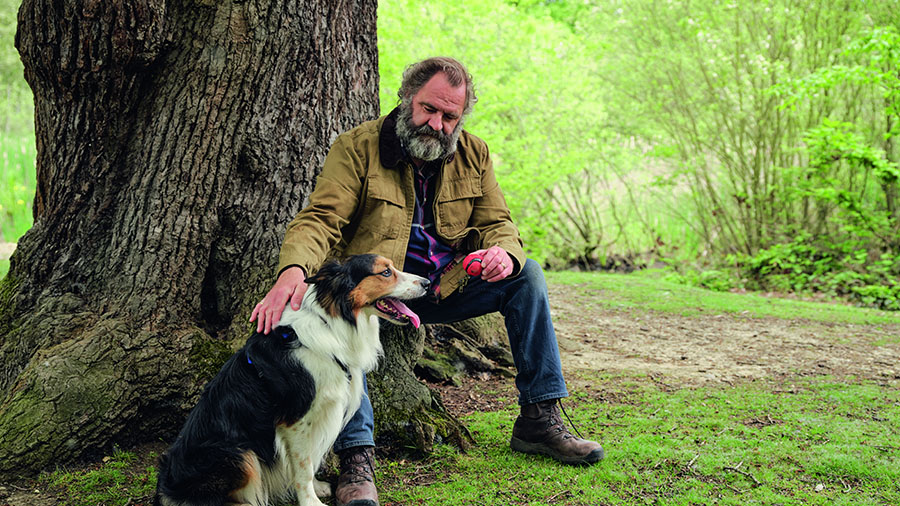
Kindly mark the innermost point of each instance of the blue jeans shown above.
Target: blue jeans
(525, 307)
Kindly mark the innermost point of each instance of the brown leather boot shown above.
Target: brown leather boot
(539, 429)
(356, 483)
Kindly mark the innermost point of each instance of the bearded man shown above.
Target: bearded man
(415, 187)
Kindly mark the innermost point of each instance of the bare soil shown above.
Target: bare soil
(684, 352)
(674, 351)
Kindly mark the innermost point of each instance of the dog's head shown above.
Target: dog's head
(368, 283)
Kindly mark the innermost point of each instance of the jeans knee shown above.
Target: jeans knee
(533, 275)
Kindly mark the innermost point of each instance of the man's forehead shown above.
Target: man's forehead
(440, 94)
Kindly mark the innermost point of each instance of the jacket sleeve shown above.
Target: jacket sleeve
(492, 218)
(317, 228)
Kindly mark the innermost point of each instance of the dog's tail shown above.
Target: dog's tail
(207, 476)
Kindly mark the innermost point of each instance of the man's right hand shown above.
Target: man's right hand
(291, 286)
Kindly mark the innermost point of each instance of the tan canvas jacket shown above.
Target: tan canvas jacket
(364, 200)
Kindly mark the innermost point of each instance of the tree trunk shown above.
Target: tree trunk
(176, 139)
(408, 414)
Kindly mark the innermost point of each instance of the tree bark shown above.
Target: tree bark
(408, 414)
(176, 139)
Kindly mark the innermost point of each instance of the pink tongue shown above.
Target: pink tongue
(401, 307)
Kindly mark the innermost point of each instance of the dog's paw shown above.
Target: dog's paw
(323, 488)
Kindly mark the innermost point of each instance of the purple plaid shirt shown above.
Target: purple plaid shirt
(426, 254)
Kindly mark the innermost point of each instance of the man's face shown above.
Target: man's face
(439, 104)
(430, 121)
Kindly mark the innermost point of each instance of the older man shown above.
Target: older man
(417, 188)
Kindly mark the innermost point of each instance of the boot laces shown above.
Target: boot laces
(357, 466)
(556, 422)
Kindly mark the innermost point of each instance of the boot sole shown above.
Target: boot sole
(539, 449)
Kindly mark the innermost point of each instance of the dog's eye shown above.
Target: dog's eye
(387, 273)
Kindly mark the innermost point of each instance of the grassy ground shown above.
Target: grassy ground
(812, 442)
(796, 439)
(648, 289)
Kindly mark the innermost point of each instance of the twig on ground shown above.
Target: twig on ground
(735, 469)
(690, 465)
(846, 487)
(564, 493)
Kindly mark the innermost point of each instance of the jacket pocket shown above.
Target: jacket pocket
(455, 204)
(384, 213)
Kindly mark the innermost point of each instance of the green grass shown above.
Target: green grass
(17, 185)
(115, 482)
(811, 442)
(819, 442)
(644, 290)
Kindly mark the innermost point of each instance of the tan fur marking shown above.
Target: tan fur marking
(329, 304)
(374, 287)
(249, 468)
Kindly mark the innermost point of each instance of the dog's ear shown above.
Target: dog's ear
(334, 283)
(327, 271)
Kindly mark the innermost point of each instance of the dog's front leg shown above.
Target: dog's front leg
(304, 479)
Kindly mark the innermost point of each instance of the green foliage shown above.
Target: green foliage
(700, 73)
(845, 237)
(16, 106)
(17, 145)
(114, 483)
(845, 269)
(17, 186)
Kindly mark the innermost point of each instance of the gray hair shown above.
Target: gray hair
(416, 75)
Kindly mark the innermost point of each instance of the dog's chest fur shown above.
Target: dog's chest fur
(338, 391)
(337, 356)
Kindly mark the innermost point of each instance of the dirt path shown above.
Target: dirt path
(696, 350)
(678, 351)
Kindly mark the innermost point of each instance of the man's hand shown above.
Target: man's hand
(496, 264)
(291, 285)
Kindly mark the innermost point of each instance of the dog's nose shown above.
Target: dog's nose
(425, 283)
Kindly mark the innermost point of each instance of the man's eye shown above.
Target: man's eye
(386, 273)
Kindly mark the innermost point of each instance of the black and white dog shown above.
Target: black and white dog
(266, 421)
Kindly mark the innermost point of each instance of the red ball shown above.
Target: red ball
(472, 264)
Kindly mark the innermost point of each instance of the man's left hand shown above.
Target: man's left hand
(496, 264)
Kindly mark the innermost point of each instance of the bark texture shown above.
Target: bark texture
(176, 139)
(408, 415)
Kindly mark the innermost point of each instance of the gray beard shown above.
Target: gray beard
(423, 142)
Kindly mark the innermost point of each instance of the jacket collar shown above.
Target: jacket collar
(390, 149)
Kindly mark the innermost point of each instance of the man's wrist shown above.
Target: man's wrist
(291, 268)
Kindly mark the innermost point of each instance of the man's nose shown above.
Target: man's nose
(435, 123)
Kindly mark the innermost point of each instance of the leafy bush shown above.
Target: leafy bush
(819, 264)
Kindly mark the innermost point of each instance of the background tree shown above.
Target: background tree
(175, 142)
